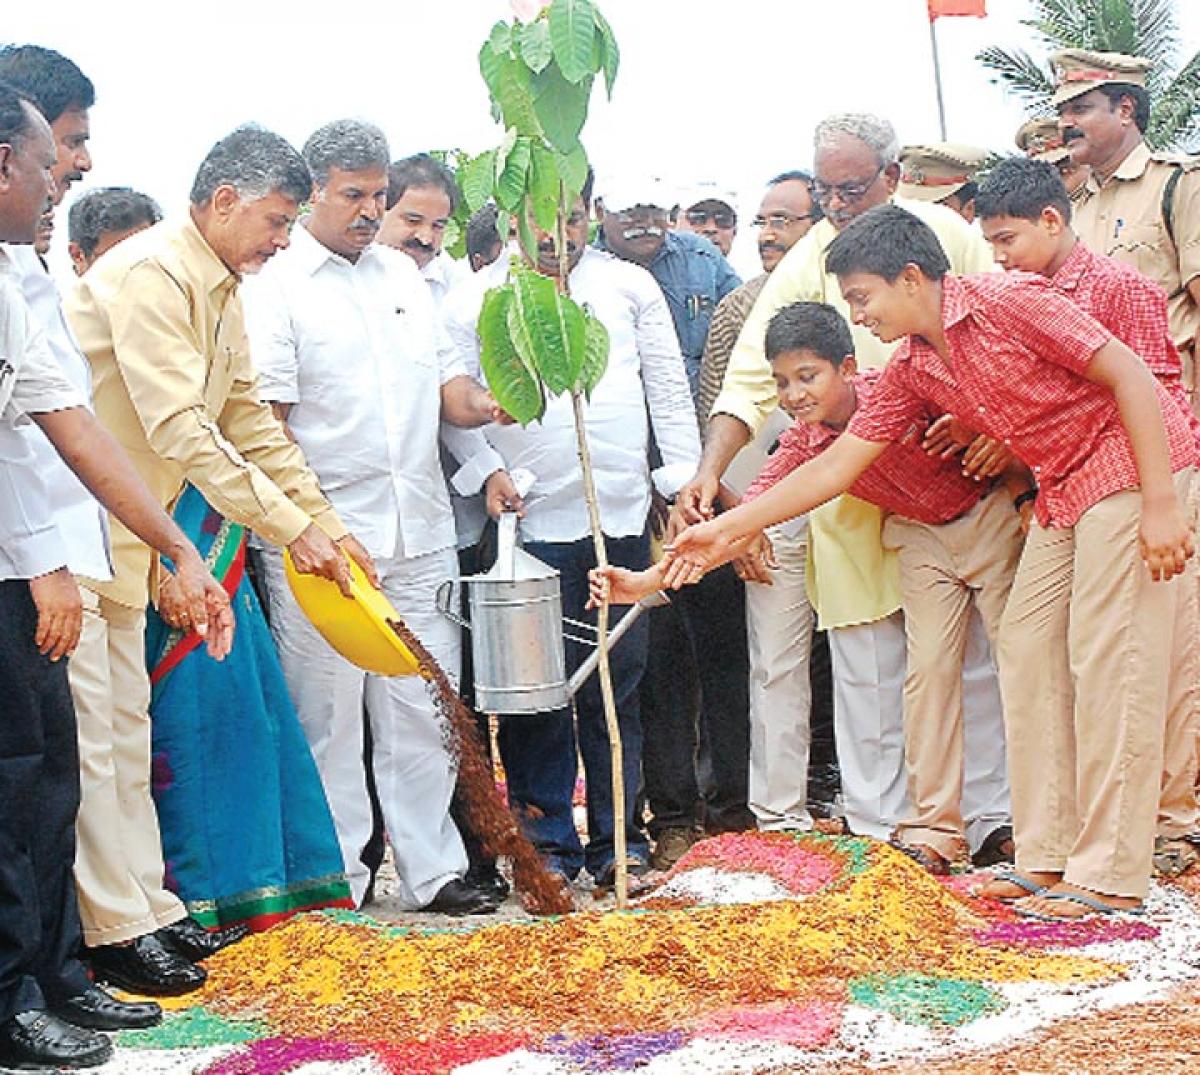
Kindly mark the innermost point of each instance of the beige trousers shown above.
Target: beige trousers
(118, 859)
(1178, 812)
(1086, 651)
(943, 571)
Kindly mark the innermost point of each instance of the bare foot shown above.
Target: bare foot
(1071, 903)
(1005, 890)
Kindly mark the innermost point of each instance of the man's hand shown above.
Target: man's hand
(985, 457)
(1166, 539)
(352, 547)
(947, 437)
(623, 587)
(192, 600)
(314, 554)
(757, 562)
(693, 503)
(60, 613)
(500, 495)
(498, 414)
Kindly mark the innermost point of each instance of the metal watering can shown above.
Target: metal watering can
(517, 636)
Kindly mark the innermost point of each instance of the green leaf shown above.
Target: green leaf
(612, 54)
(573, 168)
(477, 177)
(547, 329)
(595, 351)
(489, 67)
(525, 234)
(510, 379)
(515, 97)
(572, 28)
(536, 50)
(500, 39)
(510, 183)
(561, 107)
(454, 239)
(543, 186)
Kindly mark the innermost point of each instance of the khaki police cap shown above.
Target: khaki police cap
(1042, 140)
(1078, 71)
(932, 173)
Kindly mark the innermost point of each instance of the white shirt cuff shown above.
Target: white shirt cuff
(671, 477)
(471, 476)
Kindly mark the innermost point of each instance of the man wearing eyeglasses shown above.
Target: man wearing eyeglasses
(854, 579)
(705, 213)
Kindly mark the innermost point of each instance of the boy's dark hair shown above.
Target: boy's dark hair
(47, 76)
(482, 234)
(1022, 187)
(106, 210)
(1114, 91)
(966, 192)
(809, 326)
(15, 124)
(420, 170)
(882, 242)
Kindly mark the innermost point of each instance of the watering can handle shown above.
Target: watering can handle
(442, 598)
(506, 546)
(655, 600)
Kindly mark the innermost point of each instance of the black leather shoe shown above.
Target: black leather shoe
(192, 941)
(98, 1010)
(489, 881)
(456, 897)
(147, 966)
(38, 1040)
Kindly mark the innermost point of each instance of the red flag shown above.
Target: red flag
(939, 8)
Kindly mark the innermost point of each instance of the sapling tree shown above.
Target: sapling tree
(535, 340)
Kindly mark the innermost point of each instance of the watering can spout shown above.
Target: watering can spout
(654, 600)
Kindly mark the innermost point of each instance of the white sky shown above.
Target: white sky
(708, 91)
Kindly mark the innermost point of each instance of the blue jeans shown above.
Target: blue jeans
(539, 750)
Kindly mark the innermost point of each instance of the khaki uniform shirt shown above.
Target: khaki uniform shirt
(160, 320)
(1124, 219)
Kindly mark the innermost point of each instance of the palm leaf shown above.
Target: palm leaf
(1020, 74)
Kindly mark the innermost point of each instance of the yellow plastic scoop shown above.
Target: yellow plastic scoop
(357, 627)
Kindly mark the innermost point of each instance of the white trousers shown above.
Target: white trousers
(868, 708)
(779, 629)
(414, 773)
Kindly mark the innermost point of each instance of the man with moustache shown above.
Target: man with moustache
(350, 354)
(1137, 206)
(643, 388)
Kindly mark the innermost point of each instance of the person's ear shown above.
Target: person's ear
(1052, 220)
(849, 367)
(225, 200)
(911, 277)
(6, 163)
(891, 176)
(78, 258)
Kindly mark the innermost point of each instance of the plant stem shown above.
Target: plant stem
(615, 746)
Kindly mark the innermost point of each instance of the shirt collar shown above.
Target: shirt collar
(214, 274)
(311, 254)
(1071, 271)
(1132, 167)
(956, 302)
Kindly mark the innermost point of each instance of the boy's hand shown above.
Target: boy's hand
(622, 586)
(757, 562)
(60, 613)
(948, 436)
(694, 550)
(1166, 540)
(985, 458)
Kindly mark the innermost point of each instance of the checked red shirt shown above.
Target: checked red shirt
(904, 479)
(1133, 308)
(1018, 351)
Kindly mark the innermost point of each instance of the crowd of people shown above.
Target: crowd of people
(927, 528)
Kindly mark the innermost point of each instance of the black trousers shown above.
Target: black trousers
(696, 709)
(39, 798)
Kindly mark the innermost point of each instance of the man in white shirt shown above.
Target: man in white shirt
(350, 352)
(645, 374)
(49, 1009)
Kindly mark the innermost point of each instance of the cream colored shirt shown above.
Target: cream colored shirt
(1124, 219)
(749, 389)
(160, 320)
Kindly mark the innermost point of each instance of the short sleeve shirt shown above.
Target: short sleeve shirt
(1018, 352)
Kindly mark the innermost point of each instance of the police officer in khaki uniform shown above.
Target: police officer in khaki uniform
(1140, 207)
(1041, 139)
(943, 172)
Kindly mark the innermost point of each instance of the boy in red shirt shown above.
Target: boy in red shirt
(1025, 213)
(1085, 641)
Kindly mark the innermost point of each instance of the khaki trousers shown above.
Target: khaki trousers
(944, 570)
(1178, 812)
(1086, 651)
(118, 861)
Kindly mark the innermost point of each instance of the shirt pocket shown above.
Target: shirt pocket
(1145, 247)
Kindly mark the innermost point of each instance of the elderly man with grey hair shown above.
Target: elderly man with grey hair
(160, 321)
(856, 590)
(351, 355)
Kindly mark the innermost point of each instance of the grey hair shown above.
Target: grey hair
(350, 145)
(874, 131)
(255, 162)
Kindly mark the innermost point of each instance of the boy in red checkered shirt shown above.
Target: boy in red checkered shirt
(1025, 212)
(1085, 642)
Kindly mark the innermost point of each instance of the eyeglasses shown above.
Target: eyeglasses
(848, 192)
(723, 218)
(781, 221)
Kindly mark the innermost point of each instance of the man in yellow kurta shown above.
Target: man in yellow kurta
(160, 320)
(853, 579)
